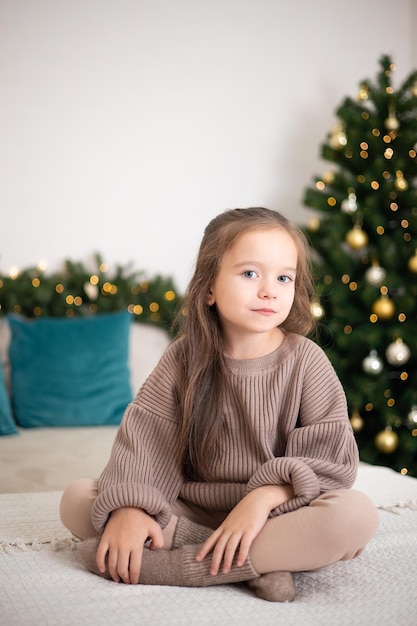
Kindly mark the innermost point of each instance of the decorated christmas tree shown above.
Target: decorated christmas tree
(364, 233)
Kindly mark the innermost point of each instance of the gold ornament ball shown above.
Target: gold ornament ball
(328, 177)
(363, 92)
(314, 224)
(392, 123)
(401, 184)
(384, 308)
(337, 137)
(386, 441)
(356, 422)
(356, 238)
(412, 263)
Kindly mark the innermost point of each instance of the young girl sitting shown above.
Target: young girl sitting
(234, 463)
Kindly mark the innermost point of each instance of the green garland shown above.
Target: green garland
(81, 291)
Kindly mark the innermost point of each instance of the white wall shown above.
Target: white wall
(126, 125)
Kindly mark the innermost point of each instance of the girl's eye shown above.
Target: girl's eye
(249, 274)
(284, 279)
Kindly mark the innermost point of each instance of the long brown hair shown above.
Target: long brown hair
(202, 370)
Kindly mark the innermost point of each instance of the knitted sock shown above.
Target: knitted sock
(274, 587)
(179, 568)
(176, 568)
(87, 551)
(187, 532)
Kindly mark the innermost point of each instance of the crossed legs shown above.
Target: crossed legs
(336, 526)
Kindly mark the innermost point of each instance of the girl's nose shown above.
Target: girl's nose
(267, 292)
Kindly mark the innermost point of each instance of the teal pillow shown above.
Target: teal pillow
(70, 372)
(7, 425)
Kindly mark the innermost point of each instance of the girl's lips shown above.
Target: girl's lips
(265, 311)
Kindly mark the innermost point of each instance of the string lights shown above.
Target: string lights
(79, 291)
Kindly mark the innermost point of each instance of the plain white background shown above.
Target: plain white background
(126, 125)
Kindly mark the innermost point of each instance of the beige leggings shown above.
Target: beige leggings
(335, 527)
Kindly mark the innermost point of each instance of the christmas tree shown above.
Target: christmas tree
(364, 235)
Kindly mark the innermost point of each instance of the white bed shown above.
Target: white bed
(42, 582)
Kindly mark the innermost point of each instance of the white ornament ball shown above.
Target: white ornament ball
(317, 310)
(349, 204)
(372, 364)
(412, 416)
(91, 290)
(375, 275)
(397, 353)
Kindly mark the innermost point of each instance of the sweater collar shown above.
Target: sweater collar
(291, 340)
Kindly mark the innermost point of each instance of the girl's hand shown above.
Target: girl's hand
(242, 525)
(122, 542)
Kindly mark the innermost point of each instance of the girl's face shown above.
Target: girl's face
(254, 288)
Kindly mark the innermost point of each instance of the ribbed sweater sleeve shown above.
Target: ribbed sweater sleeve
(143, 469)
(320, 453)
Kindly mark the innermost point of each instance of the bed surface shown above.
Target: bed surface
(43, 583)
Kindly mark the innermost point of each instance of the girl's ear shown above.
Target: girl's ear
(211, 299)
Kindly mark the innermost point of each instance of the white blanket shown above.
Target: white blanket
(42, 582)
(389, 490)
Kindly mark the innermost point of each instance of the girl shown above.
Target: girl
(235, 461)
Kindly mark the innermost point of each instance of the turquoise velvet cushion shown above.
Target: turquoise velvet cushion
(7, 425)
(70, 372)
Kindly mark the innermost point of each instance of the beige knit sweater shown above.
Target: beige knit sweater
(298, 432)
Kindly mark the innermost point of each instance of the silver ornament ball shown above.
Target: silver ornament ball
(375, 275)
(412, 416)
(397, 353)
(349, 204)
(372, 364)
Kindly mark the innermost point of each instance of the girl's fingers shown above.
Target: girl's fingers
(101, 556)
(217, 557)
(229, 552)
(123, 566)
(112, 565)
(207, 546)
(135, 562)
(244, 547)
(224, 550)
(156, 537)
